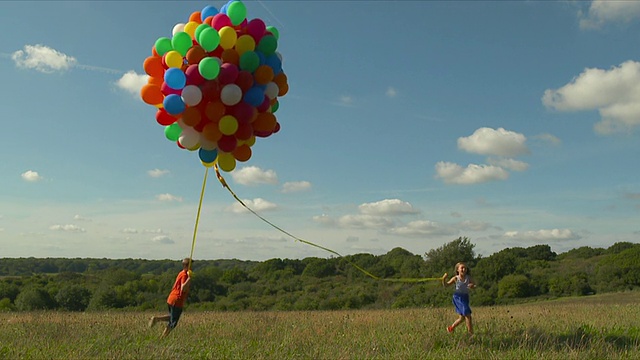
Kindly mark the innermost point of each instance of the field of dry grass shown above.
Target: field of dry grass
(599, 327)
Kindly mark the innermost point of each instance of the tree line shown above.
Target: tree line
(507, 276)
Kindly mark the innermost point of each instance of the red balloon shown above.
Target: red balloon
(164, 118)
(168, 91)
(243, 112)
(244, 132)
(244, 80)
(227, 143)
(193, 75)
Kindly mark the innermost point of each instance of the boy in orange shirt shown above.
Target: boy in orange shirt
(176, 299)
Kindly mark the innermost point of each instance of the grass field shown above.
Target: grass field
(597, 327)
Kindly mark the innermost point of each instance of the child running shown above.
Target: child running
(463, 282)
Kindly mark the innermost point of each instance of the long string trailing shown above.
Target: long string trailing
(195, 229)
(402, 280)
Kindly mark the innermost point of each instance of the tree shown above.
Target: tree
(34, 298)
(444, 258)
(514, 286)
(73, 297)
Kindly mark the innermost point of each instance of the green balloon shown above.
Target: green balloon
(199, 29)
(163, 45)
(237, 12)
(209, 39)
(249, 61)
(268, 44)
(274, 31)
(275, 107)
(209, 68)
(181, 42)
(173, 131)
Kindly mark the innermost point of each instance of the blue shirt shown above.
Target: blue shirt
(462, 287)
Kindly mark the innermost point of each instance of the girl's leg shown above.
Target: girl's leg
(469, 324)
(457, 322)
(155, 319)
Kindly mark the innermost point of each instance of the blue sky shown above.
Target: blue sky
(407, 124)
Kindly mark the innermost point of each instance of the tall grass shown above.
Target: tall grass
(600, 327)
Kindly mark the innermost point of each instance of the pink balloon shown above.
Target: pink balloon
(193, 75)
(168, 91)
(256, 28)
(243, 112)
(266, 104)
(220, 20)
(228, 73)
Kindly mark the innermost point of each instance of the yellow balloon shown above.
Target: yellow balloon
(190, 28)
(208, 164)
(173, 59)
(228, 37)
(190, 273)
(245, 43)
(226, 161)
(250, 141)
(228, 125)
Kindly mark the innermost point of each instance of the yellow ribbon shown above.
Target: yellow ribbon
(403, 280)
(195, 230)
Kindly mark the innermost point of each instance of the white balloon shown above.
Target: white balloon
(191, 95)
(207, 144)
(231, 94)
(177, 28)
(190, 138)
(272, 90)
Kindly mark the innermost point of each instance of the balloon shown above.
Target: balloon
(191, 27)
(195, 54)
(189, 139)
(209, 68)
(193, 75)
(163, 118)
(177, 28)
(265, 105)
(191, 95)
(172, 132)
(245, 43)
(163, 45)
(209, 39)
(243, 112)
(274, 31)
(207, 156)
(191, 117)
(227, 143)
(237, 12)
(153, 66)
(230, 56)
(249, 61)
(181, 42)
(195, 16)
(231, 94)
(256, 29)
(151, 94)
(244, 80)
(214, 111)
(244, 131)
(242, 152)
(228, 37)
(226, 161)
(167, 90)
(173, 59)
(254, 96)
(175, 78)
(268, 44)
(264, 122)
(220, 20)
(211, 132)
(272, 90)
(173, 104)
(228, 73)
(228, 125)
(274, 61)
(208, 11)
(275, 107)
(263, 74)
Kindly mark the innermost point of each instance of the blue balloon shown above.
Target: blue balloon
(223, 9)
(173, 104)
(208, 11)
(175, 78)
(208, 156)
(254, 96)
(274, 62)
(262, 57)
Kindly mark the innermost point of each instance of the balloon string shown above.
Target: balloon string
(195, 230)
(403, 280)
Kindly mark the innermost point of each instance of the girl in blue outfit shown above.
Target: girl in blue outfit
(463, 283)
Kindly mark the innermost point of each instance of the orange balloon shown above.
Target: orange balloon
(280, 79)
(242, 153)
(155, 80)
(195, 54)
(265, 121)
(230, 56)
(263, 74)
(283, 90)
(211, 132)
(215, 110)
(196, 16)
(153, 66)
(154, 52)
(151, 94)
(191, 116)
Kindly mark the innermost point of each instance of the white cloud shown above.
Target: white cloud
(471, 225)
(615, 93)
(324, 219)
(365, 221)
(295, 186)
(168, 197)
(31, 176)
(422, 228)
(500, 142)
(156, 173)
(346, 100)
(162, 239)
(43, 58)
(511, 164)
(607, 11)
(129, 231)
(252, 175)
(548, 138)
(452, 173)
(80, 218)
(132, 82)
(544, 235)
(256, 205)
(67, 228)
(392, 92)
(387, 207)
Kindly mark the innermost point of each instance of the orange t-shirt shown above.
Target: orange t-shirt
(176, 296)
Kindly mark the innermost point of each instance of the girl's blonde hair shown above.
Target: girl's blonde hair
(463, 264)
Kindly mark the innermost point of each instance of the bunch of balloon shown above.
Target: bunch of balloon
(216, 83)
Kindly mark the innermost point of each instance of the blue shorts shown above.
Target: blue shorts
(174, 315)
(461, 303)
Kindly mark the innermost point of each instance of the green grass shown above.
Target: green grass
(598, 327)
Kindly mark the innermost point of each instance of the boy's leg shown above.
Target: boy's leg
(155, 319)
